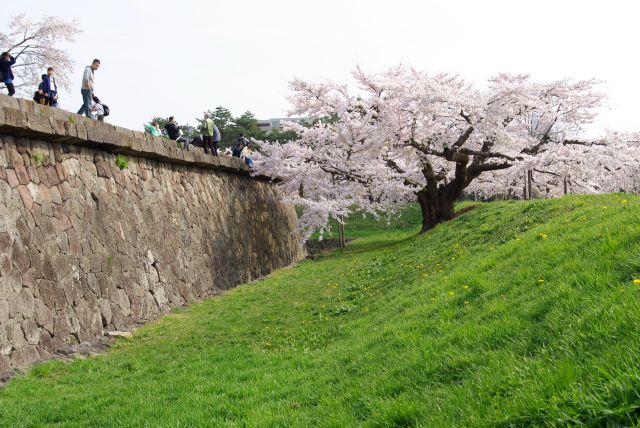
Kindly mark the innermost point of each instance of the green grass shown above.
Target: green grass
(358, 225)
(513, 314)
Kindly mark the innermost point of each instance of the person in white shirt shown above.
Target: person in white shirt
(87, 87)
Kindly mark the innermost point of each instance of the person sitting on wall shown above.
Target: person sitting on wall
(243, 140)
(175, 133)
(98, 110)
(153, 128)
(246, 155)
(38, 97)
(237, 150)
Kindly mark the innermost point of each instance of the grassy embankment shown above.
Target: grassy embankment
(516, 313)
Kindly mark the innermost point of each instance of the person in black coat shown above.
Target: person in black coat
(50, 88)
(175, 133)
(6, 61)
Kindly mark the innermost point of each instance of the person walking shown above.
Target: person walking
(6, 61)
(49, 88)
(87, 87)
(208, 132)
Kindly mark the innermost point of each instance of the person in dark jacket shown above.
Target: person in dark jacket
(237, 149)
(49, 88)
(175, 133)
(6, 61)
(243, 140)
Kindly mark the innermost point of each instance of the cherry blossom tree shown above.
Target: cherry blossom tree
(608, 164)
(36, 46)
(408, 135)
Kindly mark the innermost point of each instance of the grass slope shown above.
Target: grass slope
(514, 314)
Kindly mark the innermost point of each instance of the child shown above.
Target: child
(97, 109)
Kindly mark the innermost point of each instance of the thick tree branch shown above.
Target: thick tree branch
(465, 116)
(487, 154)
(478, 169)
(541, 171)
(583, 143)
(464, 137)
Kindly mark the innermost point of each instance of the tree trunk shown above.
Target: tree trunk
(436, 207)
(341, 233)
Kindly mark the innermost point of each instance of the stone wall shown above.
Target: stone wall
(87, 248)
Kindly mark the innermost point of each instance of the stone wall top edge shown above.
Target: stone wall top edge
(25, 118)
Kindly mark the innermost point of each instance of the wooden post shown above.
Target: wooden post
(566, 186)
(529, 180)
(341, 233)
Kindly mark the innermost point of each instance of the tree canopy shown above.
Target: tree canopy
(407, 135)
(36, 46)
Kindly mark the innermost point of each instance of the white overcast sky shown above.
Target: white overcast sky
(183, 57)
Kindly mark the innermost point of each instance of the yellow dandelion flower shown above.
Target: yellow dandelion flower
(451, 293)
(466, 286)
(466, 302)
(636, 281)
(540, 281)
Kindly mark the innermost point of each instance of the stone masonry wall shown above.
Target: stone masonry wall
(87, 248)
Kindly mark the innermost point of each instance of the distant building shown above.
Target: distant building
(269, 125)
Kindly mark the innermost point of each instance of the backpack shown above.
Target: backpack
(1, 77)
(106, 109)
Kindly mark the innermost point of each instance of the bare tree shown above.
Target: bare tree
(36, 46)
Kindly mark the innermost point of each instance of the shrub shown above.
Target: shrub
(121, 161)
(38, 158)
